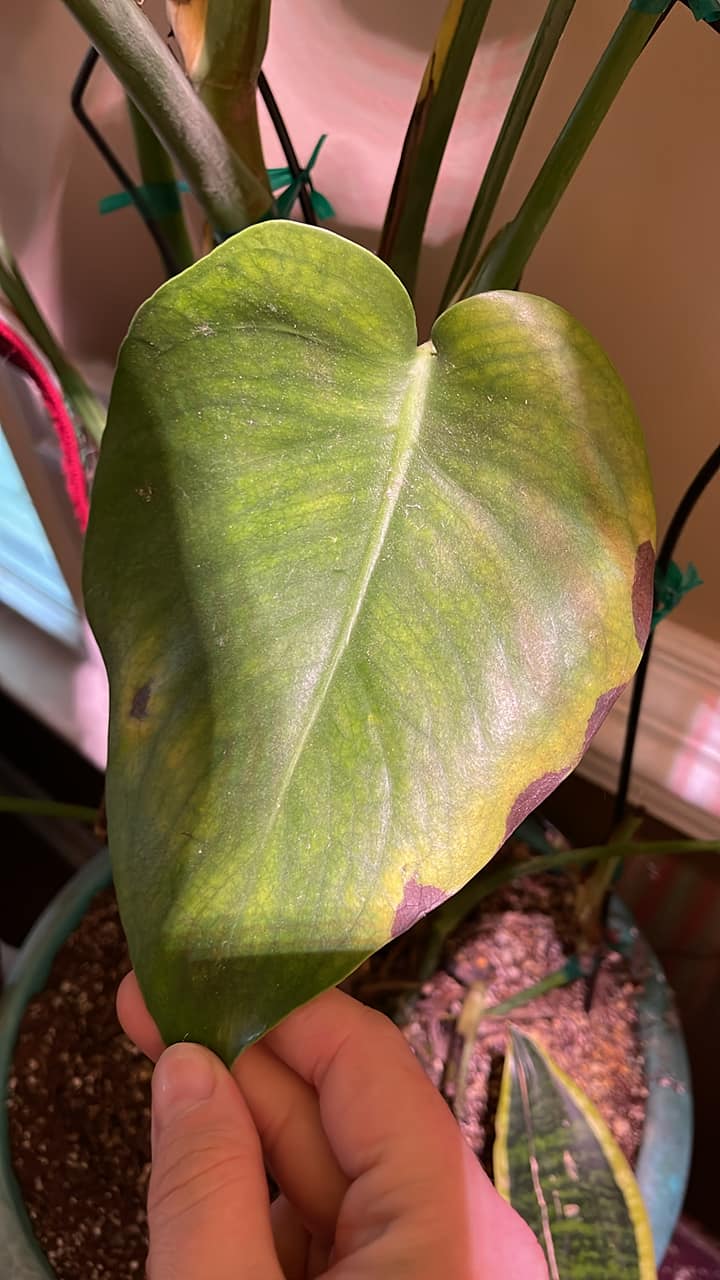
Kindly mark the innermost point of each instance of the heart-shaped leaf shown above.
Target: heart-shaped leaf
(361, 603)
(558, 1164)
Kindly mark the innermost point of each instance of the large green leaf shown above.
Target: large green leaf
(362, 605)
(557, 1163)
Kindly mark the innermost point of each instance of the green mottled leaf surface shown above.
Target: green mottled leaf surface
(558, 1164)
(361, 604)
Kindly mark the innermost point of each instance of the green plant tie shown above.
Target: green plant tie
(163, 198)
(671, 587)
(160, 198)
(703, 10)
(282, 178)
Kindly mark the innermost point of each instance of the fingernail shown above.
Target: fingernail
(184, 1076)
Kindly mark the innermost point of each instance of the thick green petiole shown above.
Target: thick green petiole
(229, 193)
(528, 86)
(427, 135)
(503, 263)
(157, 170)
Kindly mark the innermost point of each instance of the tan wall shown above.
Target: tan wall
(631, 250)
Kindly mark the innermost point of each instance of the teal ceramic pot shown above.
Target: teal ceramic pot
(664, 1156)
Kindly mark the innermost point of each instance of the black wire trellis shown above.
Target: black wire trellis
(136, 193)
(685, 508)
(683, 511)
(305, 192)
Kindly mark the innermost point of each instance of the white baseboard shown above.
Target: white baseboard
(676, 770)
(63, 689)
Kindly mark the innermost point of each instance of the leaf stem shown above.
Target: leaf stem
(502, 265)
(594, 890)
(528, 86)
(569, 972)
(446, 918)
(156, 169)
(40, 808)
(427, 134)
(223, 45)
(592, 853)
(230, 194)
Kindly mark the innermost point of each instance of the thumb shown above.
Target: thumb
(208, 1203)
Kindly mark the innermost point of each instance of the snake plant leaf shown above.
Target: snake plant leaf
(361, 605)
(558, 1164)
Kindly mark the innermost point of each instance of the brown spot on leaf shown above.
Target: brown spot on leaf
(418, 899)
(139, 704)
(642, 592)
(542, 787)
(532, 796)
(600, 710)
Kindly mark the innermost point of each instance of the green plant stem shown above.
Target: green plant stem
(593, 891)
(528, 86)
(427, 135)
(229, 193)
(593, 853)
(447, 917)
(83, 402)
(223, 44)
(570, 972)
(47, 809)
(156, 169)
(474, 1012)
(506, 257)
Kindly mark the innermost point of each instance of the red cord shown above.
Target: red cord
(14, 349)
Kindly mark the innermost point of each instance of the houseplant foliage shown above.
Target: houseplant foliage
(362, 605)
(557, 1163)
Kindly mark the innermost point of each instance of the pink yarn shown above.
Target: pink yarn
(14, 349)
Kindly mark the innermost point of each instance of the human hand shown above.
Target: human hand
(376, 1180)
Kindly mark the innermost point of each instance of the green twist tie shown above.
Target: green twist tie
(650, 6)
(163, 198)
(702, 10)
(160, 198)
(670, 589)
(282, 180)
(291, 187)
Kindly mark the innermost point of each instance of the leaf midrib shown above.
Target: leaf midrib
(408, 429)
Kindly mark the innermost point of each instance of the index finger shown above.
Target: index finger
(375, 1099)
(418, 1192)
